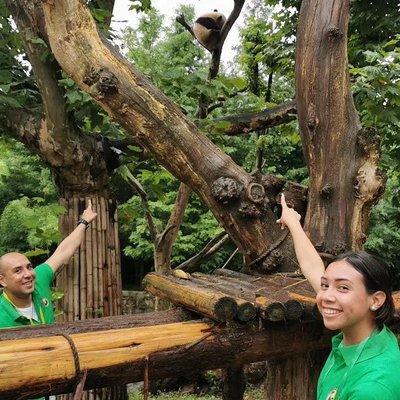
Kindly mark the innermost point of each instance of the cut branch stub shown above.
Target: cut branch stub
(250, 210)
(335, 33)
(103, 82)
(368, 141)
(272, 261)
(226, 190)
(327, 191)
(255, 193)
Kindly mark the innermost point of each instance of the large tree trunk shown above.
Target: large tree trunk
(342, 161)
(91, 283)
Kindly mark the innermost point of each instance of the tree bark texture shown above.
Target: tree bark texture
(342, 157)
(236, 200)
(258, 121)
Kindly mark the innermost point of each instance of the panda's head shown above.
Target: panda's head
(207, 29)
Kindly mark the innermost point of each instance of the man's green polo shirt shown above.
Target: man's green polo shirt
(375, 374)
(10, 317)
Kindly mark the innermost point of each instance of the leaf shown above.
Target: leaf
(36, 252)
(38, 40)
(10, 101)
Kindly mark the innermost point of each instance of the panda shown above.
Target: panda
(207, 29)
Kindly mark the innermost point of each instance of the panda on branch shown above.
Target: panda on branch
(207, 29)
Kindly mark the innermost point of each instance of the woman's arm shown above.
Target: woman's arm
(310, 262)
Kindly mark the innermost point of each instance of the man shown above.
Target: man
(26, 298)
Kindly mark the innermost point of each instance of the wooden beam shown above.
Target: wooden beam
(38, 366)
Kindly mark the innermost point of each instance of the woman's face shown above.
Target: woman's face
(343, 300)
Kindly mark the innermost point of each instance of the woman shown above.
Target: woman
(353, 296)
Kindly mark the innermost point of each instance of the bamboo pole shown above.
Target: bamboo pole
(61, 277)
(70, 270)
(103, 250)
(89, 270)
(75, 260)
(82, 278)
(100, 261)
(118, 262)
(93, 229)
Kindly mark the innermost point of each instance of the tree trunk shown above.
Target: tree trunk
(342, 161)
(234, 383)
(294, 378)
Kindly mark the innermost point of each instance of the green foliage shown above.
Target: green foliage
(28, 221)
(28, 224)
(17, 86)
(198, 227)
(252, 393)
(384, 232)
(22, 174)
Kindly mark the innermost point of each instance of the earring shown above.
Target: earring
(373, 308)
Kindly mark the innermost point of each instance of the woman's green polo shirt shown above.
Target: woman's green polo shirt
(10, 316)
(374, 376)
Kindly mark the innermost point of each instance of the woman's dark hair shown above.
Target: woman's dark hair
(377, 277)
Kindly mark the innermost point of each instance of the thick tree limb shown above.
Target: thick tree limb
(258, 121)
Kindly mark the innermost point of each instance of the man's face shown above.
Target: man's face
(17, 275)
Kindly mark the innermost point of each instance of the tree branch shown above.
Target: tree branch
(181, 20)
(208, 250)
(258, 121)
(164, 242)
(135, 184)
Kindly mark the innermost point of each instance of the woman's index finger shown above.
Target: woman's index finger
(283, 201)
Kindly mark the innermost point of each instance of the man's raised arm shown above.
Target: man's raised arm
(71, 243)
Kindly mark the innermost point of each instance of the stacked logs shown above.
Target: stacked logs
(229, 295)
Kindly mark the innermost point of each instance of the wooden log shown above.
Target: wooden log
(210, 303)
(37, 366)
(32, 365)
(271, 309)
(98, 324)
(246, 308)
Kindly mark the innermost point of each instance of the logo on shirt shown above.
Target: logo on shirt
(45, 302)
(332, 394)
